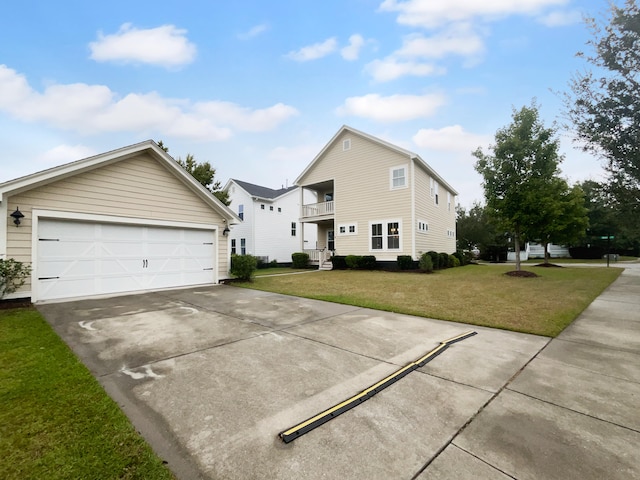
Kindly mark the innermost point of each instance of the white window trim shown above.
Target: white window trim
(423, 231)
(385, 226)
(346, 229)
(346, 144)
(405, 168)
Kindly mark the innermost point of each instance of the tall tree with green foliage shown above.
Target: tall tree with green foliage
(519, 172)
(474, 228)
(562, 216)
(604, 106)
(203, 173)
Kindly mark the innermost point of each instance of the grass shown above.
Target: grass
(476, 294)
(261, 272)
(597, 261)
(56, 421)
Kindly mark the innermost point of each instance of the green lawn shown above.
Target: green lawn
(475, 294)
(261, 272)
(598, 261)
(56, 421)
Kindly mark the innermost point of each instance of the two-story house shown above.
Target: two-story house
(374, 198)
(270, 227)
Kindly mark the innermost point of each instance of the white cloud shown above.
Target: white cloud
(450, 139)
(391, 68)
(395, 108)
(91, 109)
(246, 119)
(430, 14)
(166, 46)
(561, 18)
(315, 51)
(352, 51)
(253, 32)
(457, 40)
(65, 154)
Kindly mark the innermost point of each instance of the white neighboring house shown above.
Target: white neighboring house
(536, 250)
(270, 227)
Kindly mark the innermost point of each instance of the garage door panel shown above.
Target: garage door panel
(122, 249)
(81, 258)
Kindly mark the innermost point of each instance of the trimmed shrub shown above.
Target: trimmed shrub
(453, 261)
(352, 261)
(444, 260)
(435, 259)
(368, 262)
(13, 274)
(425, 264)
(339, 262)
(243, 266)
(300, 260)
(405, 262)
(586, 252)
(361, 262)
(463, 257)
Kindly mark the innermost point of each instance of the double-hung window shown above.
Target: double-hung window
(393, 236)
(243, 246)
(376, 236)
(397, 177)
(241, 212)
(385, 236)
(233, 246)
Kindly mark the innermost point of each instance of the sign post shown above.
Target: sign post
(608, 238)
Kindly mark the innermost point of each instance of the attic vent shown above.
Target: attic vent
(346, 145)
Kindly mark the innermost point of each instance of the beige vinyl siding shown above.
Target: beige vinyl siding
(138, 187)
(362, 192)
(439, 218)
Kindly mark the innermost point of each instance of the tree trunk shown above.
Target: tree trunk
(516, 245)
(546, 253)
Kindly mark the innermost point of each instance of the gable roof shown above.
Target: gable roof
(258, 191)
(410, 155)
(54, 174)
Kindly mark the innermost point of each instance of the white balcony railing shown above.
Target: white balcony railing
(317, 209)
(318, 256)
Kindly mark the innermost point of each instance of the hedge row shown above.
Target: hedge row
(428, 262)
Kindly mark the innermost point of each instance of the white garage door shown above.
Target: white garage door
(77, 259)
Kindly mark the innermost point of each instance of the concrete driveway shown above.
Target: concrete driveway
(211, 375)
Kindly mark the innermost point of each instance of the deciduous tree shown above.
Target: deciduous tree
(604, 106)
(519, 171)
(203, 173)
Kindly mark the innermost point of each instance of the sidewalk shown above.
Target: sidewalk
(573, 412)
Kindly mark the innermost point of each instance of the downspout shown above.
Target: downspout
(413, 210)
(4, 215)
(300, 219)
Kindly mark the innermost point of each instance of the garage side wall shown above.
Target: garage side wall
(138, 187)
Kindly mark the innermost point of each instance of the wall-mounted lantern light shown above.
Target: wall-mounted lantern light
(226, 231)
(17, 215)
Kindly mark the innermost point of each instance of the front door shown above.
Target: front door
(331, 246)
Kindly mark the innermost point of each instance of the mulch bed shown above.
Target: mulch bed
(552, 265)
(15, 303)
(521, 273)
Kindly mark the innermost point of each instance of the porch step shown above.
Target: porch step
(325, 266)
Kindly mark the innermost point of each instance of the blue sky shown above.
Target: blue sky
(258, 88)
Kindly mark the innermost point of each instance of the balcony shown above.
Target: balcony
(318, 211)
